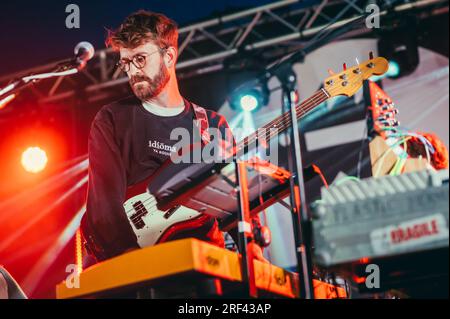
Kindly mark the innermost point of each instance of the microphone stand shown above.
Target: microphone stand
(62, 69)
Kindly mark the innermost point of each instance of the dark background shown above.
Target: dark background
(34, 33)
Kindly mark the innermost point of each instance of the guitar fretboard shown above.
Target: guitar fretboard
(281, 123)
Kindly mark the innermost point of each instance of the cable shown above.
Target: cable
(395, 167)
(383, 156)
(427, 144)
(319, 172)
(346, 179)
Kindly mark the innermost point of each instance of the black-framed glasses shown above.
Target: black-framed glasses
(139, 61)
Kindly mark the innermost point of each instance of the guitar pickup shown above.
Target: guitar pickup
(171, 211)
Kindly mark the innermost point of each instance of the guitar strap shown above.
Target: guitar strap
(201, 122)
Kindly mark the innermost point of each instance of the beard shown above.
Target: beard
(145, 88)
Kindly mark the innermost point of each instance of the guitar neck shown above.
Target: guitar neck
(283, 122)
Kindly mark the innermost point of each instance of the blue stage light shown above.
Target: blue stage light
(249, 99)
(394, 69)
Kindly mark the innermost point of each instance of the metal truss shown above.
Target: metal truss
(206, 45)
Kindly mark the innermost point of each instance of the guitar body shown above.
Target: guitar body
(153, 226)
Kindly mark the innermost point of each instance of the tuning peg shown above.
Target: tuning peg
(331, 72)
(395, 111)
(371, 55)
(344, 66)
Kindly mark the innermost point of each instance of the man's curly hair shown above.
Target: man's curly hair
(143, 26)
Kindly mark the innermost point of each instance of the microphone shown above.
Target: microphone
(84, 51)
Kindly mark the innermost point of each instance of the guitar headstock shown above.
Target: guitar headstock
(349, 81)
(383, 113)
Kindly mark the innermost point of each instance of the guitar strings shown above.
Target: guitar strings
(302, 109)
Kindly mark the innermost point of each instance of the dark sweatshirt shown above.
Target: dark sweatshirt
(127, 144)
